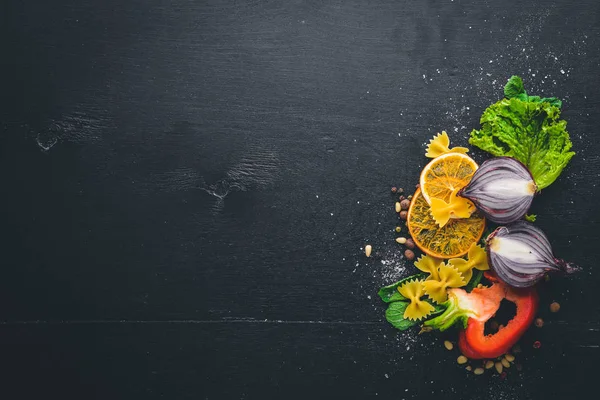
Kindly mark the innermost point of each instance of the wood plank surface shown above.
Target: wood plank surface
(187, 187)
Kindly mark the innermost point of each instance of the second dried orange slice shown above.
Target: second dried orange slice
(452, 240)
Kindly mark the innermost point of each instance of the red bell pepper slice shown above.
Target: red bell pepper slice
(491, 346)
(476, 308)
(464, 347)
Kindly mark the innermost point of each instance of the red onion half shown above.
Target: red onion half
(520, 254)
(502, 188)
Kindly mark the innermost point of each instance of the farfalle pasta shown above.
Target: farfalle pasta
(417, 309)
(449, 277)
(439, 145)
(476, 258)
(429, 265)
(456, 207)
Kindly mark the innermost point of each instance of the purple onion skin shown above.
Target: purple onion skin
(501, 211)
(542, 260)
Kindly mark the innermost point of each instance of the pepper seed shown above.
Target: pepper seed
(461, 360)
(448, 345)
(405, 204)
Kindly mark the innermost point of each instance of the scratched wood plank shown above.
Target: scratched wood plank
(207, 173)
(248, 360)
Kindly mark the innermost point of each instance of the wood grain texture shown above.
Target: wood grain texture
(187, 185)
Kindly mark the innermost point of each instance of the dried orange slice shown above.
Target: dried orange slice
(445, 174)
(452, 240)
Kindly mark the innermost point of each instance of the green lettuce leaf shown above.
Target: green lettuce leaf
(514, 89)
(529, 129)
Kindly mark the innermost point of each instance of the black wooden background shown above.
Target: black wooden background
(186, 188)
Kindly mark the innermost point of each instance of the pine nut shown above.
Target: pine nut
(498, 366)
(368, 250)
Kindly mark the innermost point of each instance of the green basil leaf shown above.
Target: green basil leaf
(488, 230)
(390, 293)
(475, 279)
(395, 315)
